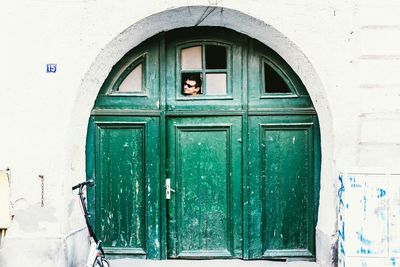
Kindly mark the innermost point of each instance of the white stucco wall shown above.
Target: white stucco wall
(347, 54)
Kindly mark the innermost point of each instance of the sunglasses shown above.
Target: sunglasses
(189, 85)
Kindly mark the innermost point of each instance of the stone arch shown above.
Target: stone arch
(232, 19)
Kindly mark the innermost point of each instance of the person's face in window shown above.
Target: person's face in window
(190, 87)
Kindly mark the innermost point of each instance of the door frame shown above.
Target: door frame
(163, 118)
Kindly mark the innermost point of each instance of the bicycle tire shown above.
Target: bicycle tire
(101, 262)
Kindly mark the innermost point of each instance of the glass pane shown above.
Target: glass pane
(215, 57)
(274, 83)
(216, 83)
(132, 82)
(191, 58)
(191, 84)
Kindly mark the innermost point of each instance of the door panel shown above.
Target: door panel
(121, 149)
(204, 157)
(126, 165)
(282, 155)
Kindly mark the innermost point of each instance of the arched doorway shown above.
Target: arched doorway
(242, 155)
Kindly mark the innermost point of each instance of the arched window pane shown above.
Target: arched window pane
(191, 58)
(132, 82)
(273, 82)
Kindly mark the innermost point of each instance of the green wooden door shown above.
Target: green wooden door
(282, 178)
(284, 156)
(243, 155)
(205, 167)
(127, 152)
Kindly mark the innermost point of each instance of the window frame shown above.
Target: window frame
(275, 67)
(124, 72)
(178, 71)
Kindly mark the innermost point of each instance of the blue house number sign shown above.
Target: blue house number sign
(51, 68)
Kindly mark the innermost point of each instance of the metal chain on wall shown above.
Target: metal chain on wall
(41, 177)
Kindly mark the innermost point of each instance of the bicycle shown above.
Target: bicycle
(96, 256)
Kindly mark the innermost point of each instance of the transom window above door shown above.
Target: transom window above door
(214, 70)
(275, 82)
(132, 80)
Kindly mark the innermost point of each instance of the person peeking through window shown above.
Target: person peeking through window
(192, 85)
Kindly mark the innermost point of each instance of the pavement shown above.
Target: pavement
(207, 263)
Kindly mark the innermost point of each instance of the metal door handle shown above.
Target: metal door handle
(168, 188)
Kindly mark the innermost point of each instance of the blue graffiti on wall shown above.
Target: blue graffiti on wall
(341, 191)
(353, 182)
(341, 232)
(342, 249)
(381, 192)
(365, 200)
(363, 250)
(363, 240)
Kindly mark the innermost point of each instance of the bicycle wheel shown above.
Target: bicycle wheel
(101, 262)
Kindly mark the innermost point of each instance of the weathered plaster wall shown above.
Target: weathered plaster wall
(346, 53)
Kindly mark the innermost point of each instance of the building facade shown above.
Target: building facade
(292, 94)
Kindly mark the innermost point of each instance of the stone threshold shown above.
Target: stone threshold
(208, 263)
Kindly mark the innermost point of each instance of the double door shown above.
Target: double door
(202, 215)
(218, 207)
